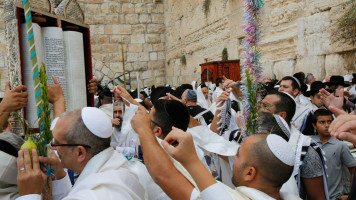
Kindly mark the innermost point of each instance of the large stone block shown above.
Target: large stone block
(153, 38)
(268, 70)
(155, 28)
(340, 64)
(145, 18)
(128, 8)
(138, 39)
(132, 57)
(122, 29)
(135, 47)
(140, 8)
(157, 18)
(131, 18)
(109, 47)
(93, 8)
(314, 35)
(138, 29)
(312, 64)
(284, 68)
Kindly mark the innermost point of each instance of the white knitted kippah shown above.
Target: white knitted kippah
(281, 149)
(97, 122)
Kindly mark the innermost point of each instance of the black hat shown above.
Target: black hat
(314, 88)
(336, 80)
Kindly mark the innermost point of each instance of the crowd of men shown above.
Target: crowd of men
(190, 142)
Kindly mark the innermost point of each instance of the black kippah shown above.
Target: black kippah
(179, 113)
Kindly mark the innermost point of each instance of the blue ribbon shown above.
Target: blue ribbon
(50, 172)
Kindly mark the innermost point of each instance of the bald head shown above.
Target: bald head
(256, 157)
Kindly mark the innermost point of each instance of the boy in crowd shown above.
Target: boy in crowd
(337, 153)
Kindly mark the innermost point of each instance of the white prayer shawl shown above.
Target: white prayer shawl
(116, 133)
(217, 93)
(201, 99)
(301, 114)
(128, 135)
(109, 175)
(254, 194)
(193, 85)
(108, 109)
(8, 176)
(212, 143)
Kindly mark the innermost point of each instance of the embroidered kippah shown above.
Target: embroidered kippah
(192, 94)
(282, 124)
(281, 149)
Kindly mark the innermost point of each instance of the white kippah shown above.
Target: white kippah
(97, 122)
(281, 149)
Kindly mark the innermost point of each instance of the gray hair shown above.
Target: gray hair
(308, 78)
(13, 139)
(78, 133)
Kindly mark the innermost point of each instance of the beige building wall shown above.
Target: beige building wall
(139, 25)
(200, 37)
(157, 33)
(296, 37)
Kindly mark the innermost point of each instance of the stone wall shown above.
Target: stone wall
(200, 37)
(3, 50)
(139, 25)
(296, 37)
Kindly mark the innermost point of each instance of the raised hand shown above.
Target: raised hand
(228, 83)
(30, 178)
(14, 99)
(115, 121)
(141, 122)
(121, 93)
(55, 91)
(55, 164)
(92, 86)
(344, 127)
(329, 99)
(184, 152)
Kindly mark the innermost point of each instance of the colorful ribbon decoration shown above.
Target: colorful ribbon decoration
(35, 66)
(251, 73)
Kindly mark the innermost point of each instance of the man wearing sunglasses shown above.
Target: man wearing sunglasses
(82, 141)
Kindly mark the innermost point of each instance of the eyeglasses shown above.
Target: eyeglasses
(69, 145)
(155, 123)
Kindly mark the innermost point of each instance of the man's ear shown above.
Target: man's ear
(158, 132)
(295, 92)
(81, 154)
(283, 114)
(249, 174)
